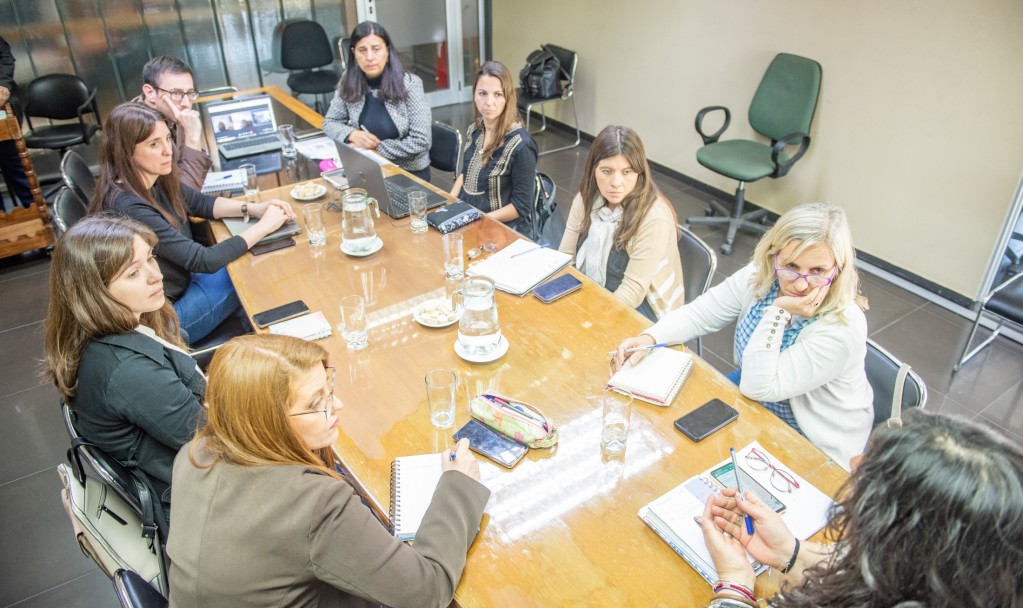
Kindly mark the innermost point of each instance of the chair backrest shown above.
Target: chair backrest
(77, 176)
(446, 149)
(786, 99)
(343, 43)
(569, 62)
(67, 209)
(544, 205)
(108, 470)
(698, 263)
(300, 44)
(882, 370)
(56, 96)
(134, 592)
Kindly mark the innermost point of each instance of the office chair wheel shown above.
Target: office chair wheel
(726, 249)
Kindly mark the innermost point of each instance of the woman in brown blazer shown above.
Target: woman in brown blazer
(262, 516)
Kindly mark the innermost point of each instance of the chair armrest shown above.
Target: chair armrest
(713, 137)
(782, 166)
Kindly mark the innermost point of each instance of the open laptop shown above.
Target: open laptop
(242, 127)
(237, 225)
(391, 192)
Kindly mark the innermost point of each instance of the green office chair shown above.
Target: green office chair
(782, 110)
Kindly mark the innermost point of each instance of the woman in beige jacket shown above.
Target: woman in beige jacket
(262, 516)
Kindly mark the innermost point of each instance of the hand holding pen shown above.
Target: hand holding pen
(461, 459)
(771, 543)
(632, 350)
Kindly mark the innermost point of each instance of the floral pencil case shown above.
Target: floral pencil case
(516, 419)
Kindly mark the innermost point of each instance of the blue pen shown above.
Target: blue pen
(742, 495)
(452, 456)
(651, 347)
(537, 248)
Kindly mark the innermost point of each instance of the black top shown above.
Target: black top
(508, 177)
(374, 115)
(177, 253)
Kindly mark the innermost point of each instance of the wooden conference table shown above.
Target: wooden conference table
(561, 528)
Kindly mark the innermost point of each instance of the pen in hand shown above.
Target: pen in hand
(638, 348)
(742, 494)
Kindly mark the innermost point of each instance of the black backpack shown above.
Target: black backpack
(542, 75)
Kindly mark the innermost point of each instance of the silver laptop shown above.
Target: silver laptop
(237, 225)
(242, 127)
(392, 191)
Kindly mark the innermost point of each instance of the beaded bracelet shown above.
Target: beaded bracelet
(742, 590)
(731, 602)
(792, 560)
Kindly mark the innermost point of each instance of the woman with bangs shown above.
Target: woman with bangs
(621, 229)
(801, 335)
(114, 351)
(499, 175)
(139, 178)
(271, 522)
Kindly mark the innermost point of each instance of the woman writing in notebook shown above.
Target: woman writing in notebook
(113, 348)
(499, 177)
(262, 475)
(379, 106)
(931, 516)
(138, 178)
(801, 336)
(621, 229)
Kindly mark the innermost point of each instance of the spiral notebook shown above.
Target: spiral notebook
(312, 326)
(657, 378)
(413, 481)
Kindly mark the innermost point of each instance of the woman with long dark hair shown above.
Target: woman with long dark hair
(621, 229)
(379, 106)
(499, 173)
(139, 178)
(931, 516)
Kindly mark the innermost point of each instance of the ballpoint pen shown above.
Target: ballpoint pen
(742, 494)
(638, 348)
(537, 248)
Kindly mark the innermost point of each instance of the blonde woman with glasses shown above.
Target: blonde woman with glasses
(801, 335)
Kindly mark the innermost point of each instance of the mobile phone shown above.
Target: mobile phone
(485, 441)
(281, 313)
(556, 288)
(261, 248)
(726, 475)
(706, 419)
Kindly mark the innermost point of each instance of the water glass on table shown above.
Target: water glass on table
(614, 428)
(287, 133)
(417, 211)
(454, 261)
(251, 182)
(353, 322)
(314, 228)
(441, 389)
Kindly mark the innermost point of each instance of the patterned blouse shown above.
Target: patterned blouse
(508, 177)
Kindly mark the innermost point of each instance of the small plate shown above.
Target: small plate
(434, 320)
(317, 192)
(377, 246)
(497, 353)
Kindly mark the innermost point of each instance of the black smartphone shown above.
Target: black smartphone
(485, 441)
(261, 248)
(556, 288)
(726, 475)
(706, 419)
(281, 313)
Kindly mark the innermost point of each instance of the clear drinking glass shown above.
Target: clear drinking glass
(614, 429)
(353, 322)
(251, 182)
(314, 228)
(287, 133)
(417, 211)
(454, 261)
(441, 388)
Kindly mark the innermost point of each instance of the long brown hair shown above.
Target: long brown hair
(128, 125)
(509, 118)
(90, 255)
(251, 384)
(616, 140)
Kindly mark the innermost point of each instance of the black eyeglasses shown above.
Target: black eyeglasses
(179, 95)
(330, 398)
(782, 480)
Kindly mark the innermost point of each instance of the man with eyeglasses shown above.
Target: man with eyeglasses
(168, 86)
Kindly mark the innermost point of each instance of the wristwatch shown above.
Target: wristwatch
(245, 212)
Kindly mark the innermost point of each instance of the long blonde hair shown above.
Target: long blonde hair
(90, 255)
(251, 386)
(808, 225)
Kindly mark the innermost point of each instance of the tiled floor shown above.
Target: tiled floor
(40, 564)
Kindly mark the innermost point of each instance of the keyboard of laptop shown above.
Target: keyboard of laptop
(252, 141)
(399, 199)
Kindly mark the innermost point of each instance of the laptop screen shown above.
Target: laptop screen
(234, 120)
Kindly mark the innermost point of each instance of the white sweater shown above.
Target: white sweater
(821, 374)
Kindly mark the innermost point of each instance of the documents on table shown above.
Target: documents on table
(221, 181)
(657, 378)
(312, 326)
(519, 274)
(318, 148)
(413, 481)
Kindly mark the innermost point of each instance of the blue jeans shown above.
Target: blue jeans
(208, 301)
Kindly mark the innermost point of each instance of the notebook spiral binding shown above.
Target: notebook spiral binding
(392, 511)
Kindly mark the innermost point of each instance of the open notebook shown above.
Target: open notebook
(413, 481)
(657, 378)
(521, 266)
(312, 326)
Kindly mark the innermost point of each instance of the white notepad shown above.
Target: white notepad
(312, 326)
(657, 378)
(413, 481)
(221, 181)
(519, 275)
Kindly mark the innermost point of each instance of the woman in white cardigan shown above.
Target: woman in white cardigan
(800, 337)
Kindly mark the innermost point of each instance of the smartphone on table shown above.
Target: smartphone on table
(556, 288)
(706, 419)
(261, 248)
(485, 441)
(726, 475)
(280, 313)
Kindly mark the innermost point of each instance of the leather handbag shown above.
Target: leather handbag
(519, 420)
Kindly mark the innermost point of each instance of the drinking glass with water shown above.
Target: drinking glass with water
(417, 211)
(614, 428)
(353, 322)
(251, 182)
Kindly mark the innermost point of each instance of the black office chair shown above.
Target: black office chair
(1004, 301)
(544, 207)
(134, 592)
(446, 149)
(896, 386)
(782, 110)
(67, 209)
(60, 97)
(78, 176)
(569, 62)
(698, 265)
(301, 46)
(343, 43)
